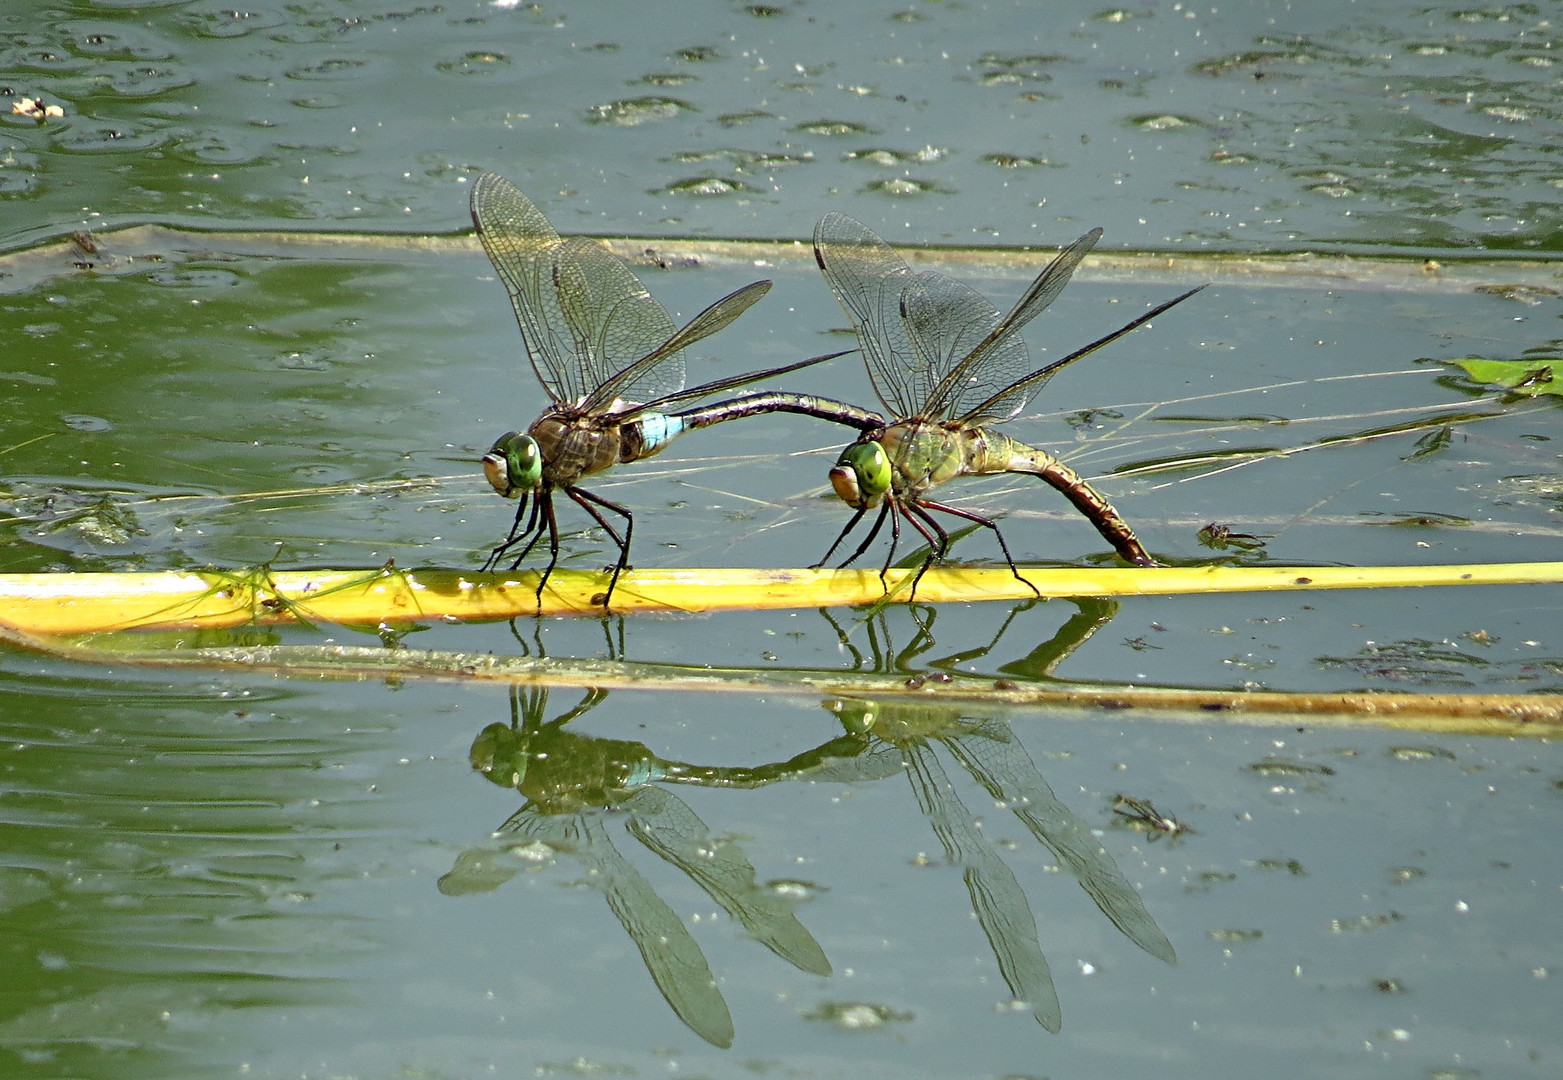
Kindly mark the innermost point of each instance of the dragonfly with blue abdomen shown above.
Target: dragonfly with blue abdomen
(612, 364)
(947, 366)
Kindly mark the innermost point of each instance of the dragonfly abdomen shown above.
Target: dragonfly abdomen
(1086, 499)
(837, 412)
(650, 432)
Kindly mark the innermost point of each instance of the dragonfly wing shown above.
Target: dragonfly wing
(1035, 300)
(1013, 398)
(867, 278)
(639, 380)
(1049, 283)
(947, 322)
(614, 322)
(521, 244)
(732, 382)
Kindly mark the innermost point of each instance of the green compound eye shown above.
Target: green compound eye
(499, 753)
(862, 474)
(514, 464)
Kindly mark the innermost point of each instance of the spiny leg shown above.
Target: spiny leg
(585, 499)
(873, 532)
(516, 531)
(536, 530)
(938, 540)
(895, 510)
(552, 522)
(842, 535)
(987, 523)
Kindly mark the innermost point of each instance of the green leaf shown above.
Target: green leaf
(1529, 377)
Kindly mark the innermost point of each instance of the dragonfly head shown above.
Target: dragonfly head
(499, 753)
(862, 474)
(514, 464)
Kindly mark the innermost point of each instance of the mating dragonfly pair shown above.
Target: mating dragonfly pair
(943, 361)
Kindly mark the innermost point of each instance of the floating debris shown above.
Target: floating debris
(1273, 766)
(857, 1015)
(1142, 814)
(1231, 935)
(833, 127)
(1220, 537)
(631, 112)
(1364, 922)
(1420, 753)
(35, 109)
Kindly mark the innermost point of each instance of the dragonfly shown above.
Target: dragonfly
(612, 364)
(947, 366)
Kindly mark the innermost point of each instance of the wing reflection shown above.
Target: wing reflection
(986, 748)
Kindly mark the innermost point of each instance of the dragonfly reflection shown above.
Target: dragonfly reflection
(571, 779)
(577, 786)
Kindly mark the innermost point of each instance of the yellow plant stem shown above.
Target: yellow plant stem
(94, 603)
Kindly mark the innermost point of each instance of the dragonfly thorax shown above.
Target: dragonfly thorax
(924, 454)
(904, 460)
(573, 446)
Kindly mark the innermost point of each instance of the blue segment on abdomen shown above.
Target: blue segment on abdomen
(658, 428)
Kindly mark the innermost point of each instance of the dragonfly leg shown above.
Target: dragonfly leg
(869, 539)
(866, 540)
(1097, 510)
(551, 522)
(937, 539)
(585, 500)
(987, 523)
(517, 532)
(895, 510)
(536, 527)
(842, 535)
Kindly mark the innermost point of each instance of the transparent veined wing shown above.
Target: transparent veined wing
(522, 244)
(584, 316)
(990, 363)
(614, 322)
(867, 277)
(1013, 398)
(649, 378)
(946, 323)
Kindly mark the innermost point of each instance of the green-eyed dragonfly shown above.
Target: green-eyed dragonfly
(946, 365)
(612, 364)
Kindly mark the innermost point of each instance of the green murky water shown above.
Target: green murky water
(200, 872)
